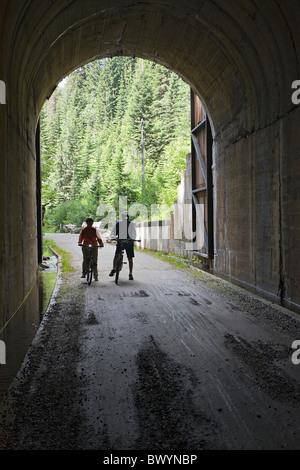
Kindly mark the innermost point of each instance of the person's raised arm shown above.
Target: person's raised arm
(100, 241)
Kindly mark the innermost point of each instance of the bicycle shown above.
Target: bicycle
(119, 258)
(90, 262)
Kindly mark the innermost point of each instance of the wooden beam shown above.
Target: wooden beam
(200, 158)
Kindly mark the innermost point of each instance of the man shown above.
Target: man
(124, 230)
(90, 236)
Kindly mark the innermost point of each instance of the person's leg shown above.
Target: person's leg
(130, 263)
(84, 262)
(130, 256)
(95, 259)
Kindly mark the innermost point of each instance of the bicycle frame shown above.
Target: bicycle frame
(90, 270)
(119, 261)
(90, 262)
(120, 257)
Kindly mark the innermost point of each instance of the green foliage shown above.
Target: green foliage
(65, 257)
(69, 212)
(91, 140)
(168, 172)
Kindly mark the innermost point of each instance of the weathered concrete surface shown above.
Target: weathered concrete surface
(240, 57)
(175, 359)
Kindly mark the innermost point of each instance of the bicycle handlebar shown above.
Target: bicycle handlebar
(92, 246)
(124, 240)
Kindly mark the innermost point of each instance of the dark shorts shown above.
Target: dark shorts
(128, 247)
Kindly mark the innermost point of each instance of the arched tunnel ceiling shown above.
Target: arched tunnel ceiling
(236, 55)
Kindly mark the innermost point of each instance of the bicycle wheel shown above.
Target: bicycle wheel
(90, 272)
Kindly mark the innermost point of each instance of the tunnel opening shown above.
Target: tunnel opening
(157, 144)
(181, 135)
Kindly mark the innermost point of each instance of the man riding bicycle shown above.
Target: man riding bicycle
(90, 236)
(124, 230)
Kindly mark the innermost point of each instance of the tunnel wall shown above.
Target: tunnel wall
(257, 208)
(239, 57)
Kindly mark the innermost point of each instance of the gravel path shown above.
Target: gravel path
(176, 359)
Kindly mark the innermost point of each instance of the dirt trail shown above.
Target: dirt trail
(175, 359)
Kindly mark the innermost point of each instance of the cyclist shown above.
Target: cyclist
(90, 236)
(124, 230)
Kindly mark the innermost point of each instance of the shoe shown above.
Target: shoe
(130, 277)
(83, 275)
(112, 272)
(96, 278)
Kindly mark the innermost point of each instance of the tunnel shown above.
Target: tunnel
(241, 58)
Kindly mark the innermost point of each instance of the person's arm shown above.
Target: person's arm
(100, 241)
(81, 236)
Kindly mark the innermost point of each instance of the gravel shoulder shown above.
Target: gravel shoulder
(176, 359)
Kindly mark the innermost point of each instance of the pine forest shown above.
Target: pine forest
(91, 139)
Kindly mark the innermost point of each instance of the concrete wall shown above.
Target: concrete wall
(154, 235)
(240, 58)
(256, 207)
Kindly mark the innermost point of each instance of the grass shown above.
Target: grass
(65, 256)
(48, 278)
(172, 259)
(47, 284)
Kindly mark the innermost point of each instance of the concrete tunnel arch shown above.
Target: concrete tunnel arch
(240, 58)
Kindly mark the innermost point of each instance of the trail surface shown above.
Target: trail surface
(176, 359)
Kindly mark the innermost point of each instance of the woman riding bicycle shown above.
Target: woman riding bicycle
(124, 230)
(90, 236)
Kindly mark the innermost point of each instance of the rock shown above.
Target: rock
(71, 228)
